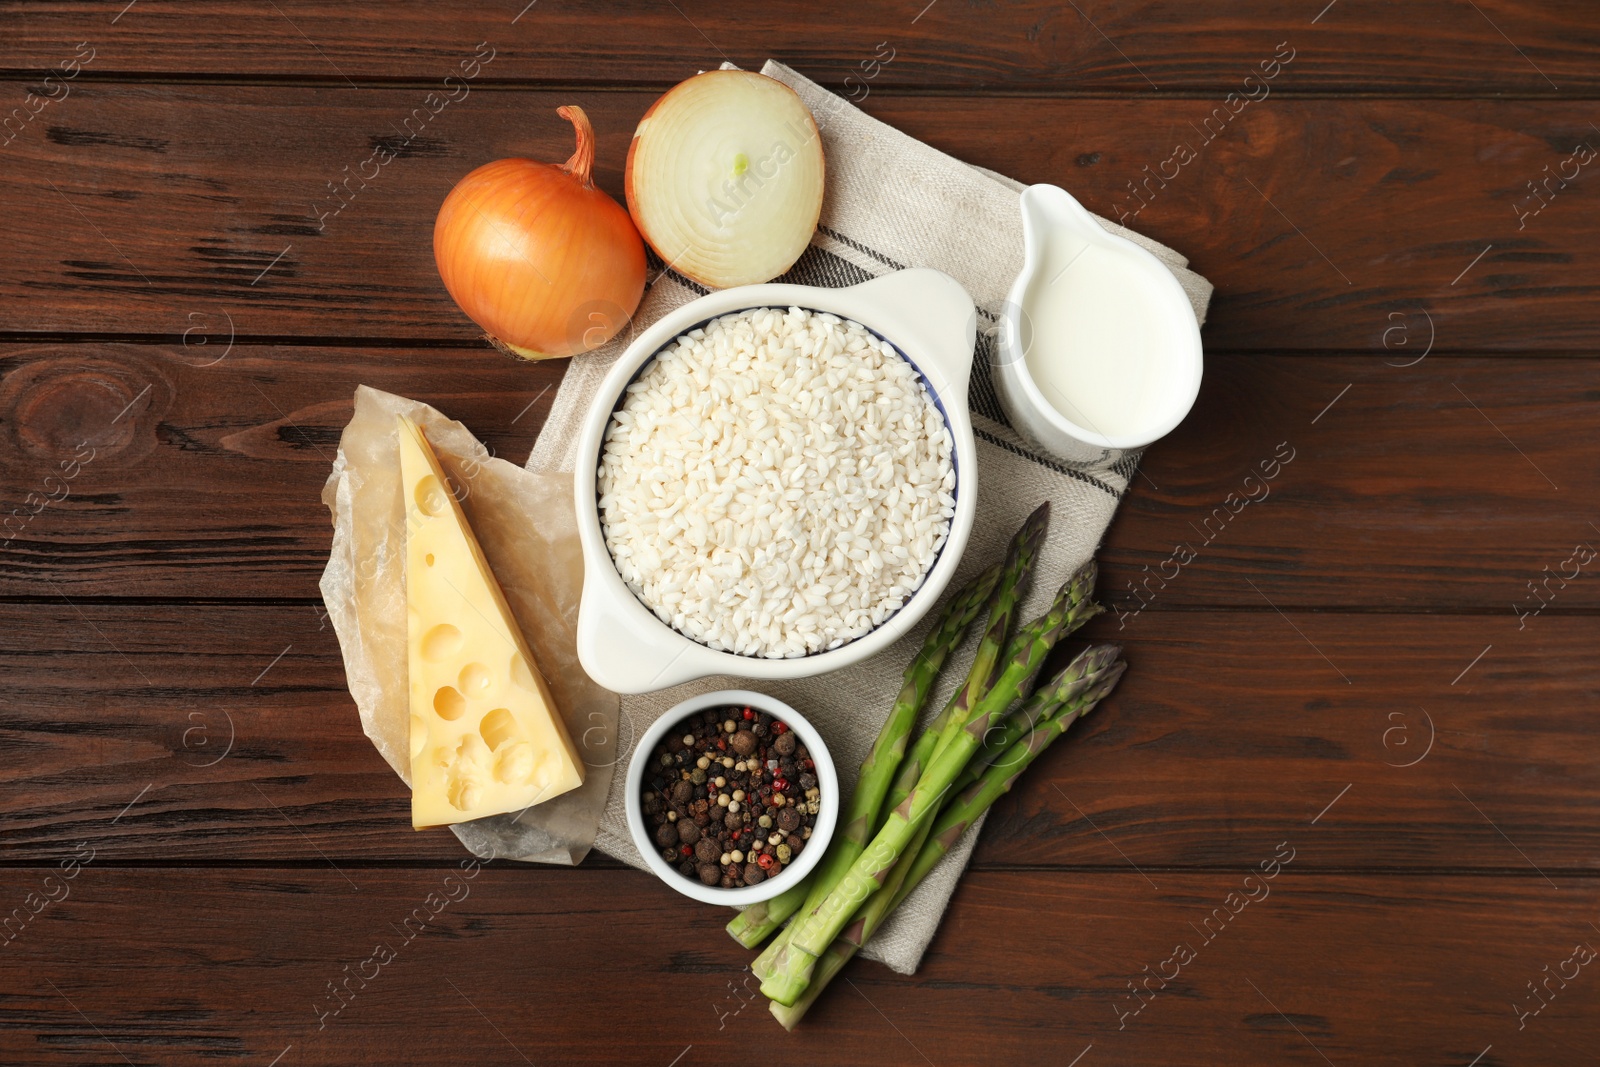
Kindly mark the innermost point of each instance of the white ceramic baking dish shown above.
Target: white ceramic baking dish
(931, 320)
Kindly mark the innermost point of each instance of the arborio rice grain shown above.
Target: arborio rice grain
(776, 483)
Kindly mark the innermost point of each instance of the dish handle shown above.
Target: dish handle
(935, 311)
(628, 651)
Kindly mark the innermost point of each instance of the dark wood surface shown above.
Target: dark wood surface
(1349, 666)
(1419, 48)
(213, 965)
(1324, 223)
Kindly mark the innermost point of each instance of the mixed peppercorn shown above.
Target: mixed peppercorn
(730, 797)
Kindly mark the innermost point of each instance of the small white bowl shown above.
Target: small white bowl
(821, 831)
(930, 319)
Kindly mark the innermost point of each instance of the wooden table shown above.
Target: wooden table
(1377, 680)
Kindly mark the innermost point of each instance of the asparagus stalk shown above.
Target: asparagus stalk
(1001, 601)
(1025, 656)
(755, 924)
(878, 769)
(922, 749)
(1070, 696)
(863, 924)
(981, 702)
(1103, 670)
(995, 664)
(1081, 608)
(831, 962)
(1063, 689)
(1024, 652)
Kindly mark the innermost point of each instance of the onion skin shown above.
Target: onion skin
(546, 263)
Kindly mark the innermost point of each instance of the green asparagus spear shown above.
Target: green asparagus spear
(878, 769)
(1046, 703)
(1005, 590)
(997, 779)
(980, 702)
(995, 664)
(861, 823)
(1081, 608)
(755, 924)
(1070, 696)
(829, 964)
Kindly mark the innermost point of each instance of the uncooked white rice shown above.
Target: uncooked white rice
(776, 484)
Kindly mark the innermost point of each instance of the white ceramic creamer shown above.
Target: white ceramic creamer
(1099, 351)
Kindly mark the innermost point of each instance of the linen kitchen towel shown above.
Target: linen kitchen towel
(892, 202)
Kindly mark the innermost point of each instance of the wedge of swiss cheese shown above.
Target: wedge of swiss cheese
(485, 735)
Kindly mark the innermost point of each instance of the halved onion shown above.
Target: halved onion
(725, 176)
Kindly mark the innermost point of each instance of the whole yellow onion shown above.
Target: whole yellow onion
(546, 263)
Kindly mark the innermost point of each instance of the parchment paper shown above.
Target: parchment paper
(524, 523)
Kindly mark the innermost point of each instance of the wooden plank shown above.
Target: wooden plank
(170, 202)
(205, 478)
(1451, 484)
(1402, 740)
(233, 486)
(539, 966)
(1231, 730)
(1422, 47)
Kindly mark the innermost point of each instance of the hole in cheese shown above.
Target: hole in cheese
(419, 736)
(464, 794)
(498, 727)
(520, 674)
(515, 764)
(476, 679)
(428, 559)
(449, 703)
(430, 497)
(466, 772)
(441, 641)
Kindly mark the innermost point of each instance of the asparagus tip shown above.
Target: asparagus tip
(1106, 681)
